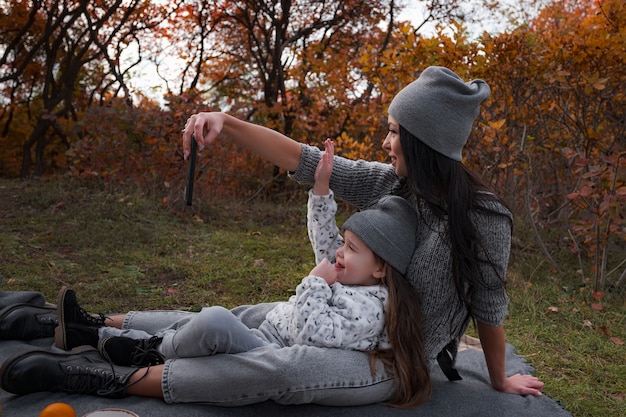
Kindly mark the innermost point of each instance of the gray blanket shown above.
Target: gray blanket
(473, 396)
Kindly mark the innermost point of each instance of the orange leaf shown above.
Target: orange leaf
(497, 124)
(617, 341)
(597, 295)
(596, 306)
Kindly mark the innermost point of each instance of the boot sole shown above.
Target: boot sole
(60, 340)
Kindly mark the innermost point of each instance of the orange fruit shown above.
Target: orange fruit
(58, 410)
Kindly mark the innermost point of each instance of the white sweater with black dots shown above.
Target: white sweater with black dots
(335, 316)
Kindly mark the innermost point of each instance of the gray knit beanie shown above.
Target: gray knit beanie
(388, 229)
(439, 109)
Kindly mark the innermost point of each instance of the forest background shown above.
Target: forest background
(551, 139)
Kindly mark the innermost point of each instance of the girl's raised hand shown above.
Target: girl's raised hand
(324, 169)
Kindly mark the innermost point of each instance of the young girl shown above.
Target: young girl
(352, 303)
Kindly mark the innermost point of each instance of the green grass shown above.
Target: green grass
(123, 249)
(569, 344)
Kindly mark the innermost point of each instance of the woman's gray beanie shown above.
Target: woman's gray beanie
(439, 109)
(388, 229)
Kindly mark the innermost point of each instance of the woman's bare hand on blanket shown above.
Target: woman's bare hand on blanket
(523, 385)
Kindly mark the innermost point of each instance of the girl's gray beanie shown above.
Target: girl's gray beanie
(439, 108)
(388, 229)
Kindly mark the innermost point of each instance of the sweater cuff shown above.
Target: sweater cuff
(309, 158)
(319, 200)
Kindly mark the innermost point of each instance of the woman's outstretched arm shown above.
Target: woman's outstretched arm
(267, 143)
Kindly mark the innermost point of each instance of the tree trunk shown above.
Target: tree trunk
(38, 137)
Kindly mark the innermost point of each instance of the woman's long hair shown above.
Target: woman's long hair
(450, 190)
(405, 360)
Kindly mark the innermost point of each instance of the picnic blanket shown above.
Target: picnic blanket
(472, 396)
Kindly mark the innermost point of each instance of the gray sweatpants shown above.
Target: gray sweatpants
(211, 331)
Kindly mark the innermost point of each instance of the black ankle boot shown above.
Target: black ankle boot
(132, 352)
(74, 372)
(26, 322)
(76, 326)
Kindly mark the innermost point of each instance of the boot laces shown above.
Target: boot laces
(82, 379)
(146, 352)
(80, 313)
(98, 321)
(47, 318)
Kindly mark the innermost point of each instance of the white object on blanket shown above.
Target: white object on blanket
(111, 412)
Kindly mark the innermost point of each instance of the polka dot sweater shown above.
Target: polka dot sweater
(336, 316)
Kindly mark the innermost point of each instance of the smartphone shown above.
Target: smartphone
(191, 171)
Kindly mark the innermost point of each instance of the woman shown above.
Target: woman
(459, 265)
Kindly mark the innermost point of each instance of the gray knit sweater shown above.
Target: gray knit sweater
(362, 183)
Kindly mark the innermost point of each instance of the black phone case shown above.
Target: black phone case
(191, 171)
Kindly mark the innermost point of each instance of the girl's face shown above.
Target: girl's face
(356, 263)
(394, 149)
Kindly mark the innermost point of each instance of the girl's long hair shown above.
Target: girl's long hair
(405, 360)
(451, 191)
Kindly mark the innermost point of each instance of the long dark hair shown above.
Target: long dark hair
(452, 191)
(406, 359)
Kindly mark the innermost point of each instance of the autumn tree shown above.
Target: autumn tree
(249, 57)
(557, 131)
(550, 138)
(294, 66)
(59, 58)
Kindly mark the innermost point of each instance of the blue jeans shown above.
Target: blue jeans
(286, 375)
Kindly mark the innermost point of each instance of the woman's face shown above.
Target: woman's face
(394, 149)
